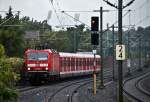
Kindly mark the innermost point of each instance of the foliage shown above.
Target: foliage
(15, 63)
(8, 78)
(55, 40)
(74, 39)
(2, 50)
(12, 32)
(12, 36)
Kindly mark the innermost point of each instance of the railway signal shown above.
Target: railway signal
(94, 41)
(94, 23)
(94, 30)
(94, 38)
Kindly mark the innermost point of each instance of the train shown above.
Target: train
(48, 64)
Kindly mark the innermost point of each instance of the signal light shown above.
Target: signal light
(94, 38)
(94, 23)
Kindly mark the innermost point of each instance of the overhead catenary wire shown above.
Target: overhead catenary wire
(59, 9)
(141, 17)
(75, 19)
(6, 20)
(93, 11)
(117, 21)
(51, 2)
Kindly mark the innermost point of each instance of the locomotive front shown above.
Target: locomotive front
(37, 65)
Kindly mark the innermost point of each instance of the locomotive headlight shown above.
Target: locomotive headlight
(46, 68)
(29, 68)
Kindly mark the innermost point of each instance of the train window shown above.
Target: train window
(77, 62)
(98, 62)
(61, 62)
(38, 56)
(42, 56)
(87, 62)
(67, 62)
(91, 63)
(64, 61)
(84, 62)
(80, 62)
(72, 62)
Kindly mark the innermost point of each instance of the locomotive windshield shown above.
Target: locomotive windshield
(37, 56)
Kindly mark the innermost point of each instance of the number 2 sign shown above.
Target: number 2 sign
(120, 52)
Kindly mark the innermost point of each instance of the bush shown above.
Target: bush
(2, 50)
(9, 70)
(8, 77)
(7, 94)
(15, 63)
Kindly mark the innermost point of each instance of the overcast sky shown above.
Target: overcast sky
(38, 9)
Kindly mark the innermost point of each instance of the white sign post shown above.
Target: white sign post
(94, 51)
(120, 52)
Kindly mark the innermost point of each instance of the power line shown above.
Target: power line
(142, 20)
(117, 21)
(91, 11)
(75, 18)
(6, 20)
(51, 2)
(138, 9)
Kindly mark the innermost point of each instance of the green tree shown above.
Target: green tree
(2, 50)
(11, 36)
(7, 79)
(9, 14)
(55, 40)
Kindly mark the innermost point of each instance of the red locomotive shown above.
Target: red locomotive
(48, 64)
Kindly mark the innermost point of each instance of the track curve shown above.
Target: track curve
(131, 89)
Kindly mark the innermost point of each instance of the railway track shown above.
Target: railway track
(74, 94)
(139, 85)
(68, 89)
(48, 90)
(73, 89)
(137, 94)
(48, 93)
(24, 89)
